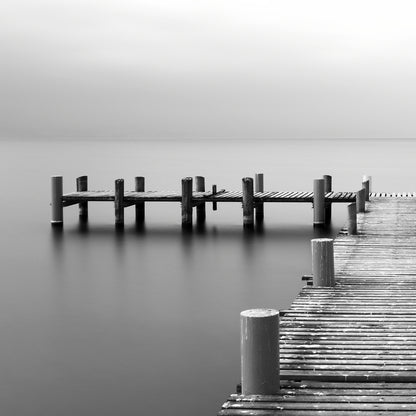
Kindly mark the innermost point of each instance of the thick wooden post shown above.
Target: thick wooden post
(139, 186)
(187, 202)
(119, 202)
(248, 203)
(259, 187)
(352, 218)
(328, 205)
(214, 191)
(260, 372)
(360, 200)
(200, 208)
(82, 186)
(57, 217)
(323, 262)
(366, 186)
(370, 180)
(318, 202)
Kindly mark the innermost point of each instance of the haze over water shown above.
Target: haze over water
(98, 322)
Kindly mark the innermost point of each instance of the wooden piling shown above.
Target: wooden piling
(352, 219)
(323, 262)
(360, 200)
(82, 186)
(260, 372)
(214, 191)
(200, 208)
(328, 205)
(248, 203)
(259, 187)
(119, 202)
(187, 202)
(57, 214)
(370, 180)
(318, 202)
(139, 186)
(366, 186)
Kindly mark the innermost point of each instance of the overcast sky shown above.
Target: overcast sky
(215, 68)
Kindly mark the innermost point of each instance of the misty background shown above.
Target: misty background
(207, 69)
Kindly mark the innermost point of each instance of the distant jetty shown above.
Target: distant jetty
(252, 196)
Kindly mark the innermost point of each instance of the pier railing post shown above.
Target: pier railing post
(119, 203)
(370, 180)
(366, 186)
(260, 369)
(318, 202)
(200, 208)
(328, 205)
(214, 191)
(139, 186)
(259, 187)
(323, 262)
(57, 214)
(352, 219)
(248, 203)
(360, 200)
(82, 186)
(187, 202)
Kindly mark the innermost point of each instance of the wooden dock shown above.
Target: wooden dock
(252, 197)
(350, 349)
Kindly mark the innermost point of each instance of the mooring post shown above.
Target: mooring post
(366, 186)
(323, 262)
(187, 202)
(119, 202)
(139, 186)
(352, 218)
(82, 186)
(214, 191)
(318, 202)
(248, 203)
(57, 217)
(200, 208)
(370, 180)
(259, 187)
(260, 369)
(328, 204)
(360, 200)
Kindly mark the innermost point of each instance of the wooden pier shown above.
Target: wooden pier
(349, 348)
(252, 197)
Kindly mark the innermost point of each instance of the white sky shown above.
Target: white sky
(215, 68)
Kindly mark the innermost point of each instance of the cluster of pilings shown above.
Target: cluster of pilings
(260, 363)
(253, 211)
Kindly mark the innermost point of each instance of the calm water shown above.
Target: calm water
(95, 322)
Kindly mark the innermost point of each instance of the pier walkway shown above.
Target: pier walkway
(351, 349)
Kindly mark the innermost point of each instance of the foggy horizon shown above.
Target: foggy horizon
(207, 70)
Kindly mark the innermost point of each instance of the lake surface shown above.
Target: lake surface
(98, 322)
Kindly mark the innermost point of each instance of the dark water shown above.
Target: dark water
(95, 322)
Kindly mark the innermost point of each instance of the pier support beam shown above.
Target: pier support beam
(139, 186)
(352, 219)
(214, 191)
(119, 203)
(248, 203)
(200, 208)
(323, 262)
(366, 186)
(82, 186)
(318, 202)
(360, 200)
(187, 202)
(260, 372)
(259, 187)
(57, 214)
(370, 180)
(328, 205)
